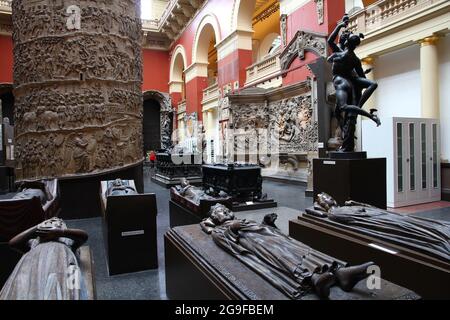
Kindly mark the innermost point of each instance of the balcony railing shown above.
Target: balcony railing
(211, 96)
(385, 12)
(264, 69)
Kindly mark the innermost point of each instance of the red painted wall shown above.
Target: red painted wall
(194, 95)
(233, 67)
(156, 65)
(6, 59)
(305, 18)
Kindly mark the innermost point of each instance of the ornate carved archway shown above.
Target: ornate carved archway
(165, 115)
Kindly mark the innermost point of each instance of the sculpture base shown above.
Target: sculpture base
(168, 182)
(196, 269)
(6, 179)
(130, 233)
(362, 180)
(397, 264)
(80, 197)
(348, 155)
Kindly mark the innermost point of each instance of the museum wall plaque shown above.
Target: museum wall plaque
(77, 77)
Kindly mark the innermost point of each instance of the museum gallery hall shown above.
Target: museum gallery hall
(193, 150)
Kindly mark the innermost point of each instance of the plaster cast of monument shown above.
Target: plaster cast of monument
(287, 264)
(77, 77)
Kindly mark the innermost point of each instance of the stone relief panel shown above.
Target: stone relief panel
(293, 122)
(77, 74)
(283, 126)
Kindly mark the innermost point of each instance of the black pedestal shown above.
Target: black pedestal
(130, 233)
(80, 197)
(9, 258)
(181, 216)
(6, 179)
(362, 180)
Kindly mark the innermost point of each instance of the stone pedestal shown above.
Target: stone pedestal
(362, 180)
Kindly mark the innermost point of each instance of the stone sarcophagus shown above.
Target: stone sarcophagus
(77, 77)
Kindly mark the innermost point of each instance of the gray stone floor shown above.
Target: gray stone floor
(150, 285)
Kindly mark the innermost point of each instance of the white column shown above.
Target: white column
(429, 72)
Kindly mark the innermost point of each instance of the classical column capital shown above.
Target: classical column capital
(370, 60)
(428, 41)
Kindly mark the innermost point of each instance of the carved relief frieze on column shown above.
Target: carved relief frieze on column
(302, 42)
(77, 77)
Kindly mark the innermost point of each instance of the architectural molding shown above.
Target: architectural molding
(197, 69)
(166, 110)
(211, 20)
(178, 51)
(175, 86)
(302, 42)
(320, 8)
(237, 40)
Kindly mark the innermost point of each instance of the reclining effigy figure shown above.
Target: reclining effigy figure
(195, 194)
(31, 190)
(49, 268)
(120, 188)
(425, 235)
(289, 265)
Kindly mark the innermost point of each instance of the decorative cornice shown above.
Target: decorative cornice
(266, 13)
(303, 41)
(370, 61)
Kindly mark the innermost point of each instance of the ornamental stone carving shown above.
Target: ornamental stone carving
(302, 42)
(77, 76)
(282, 126)
(320, 11)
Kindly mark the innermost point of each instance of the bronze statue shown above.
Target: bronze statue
(49, 268)
(349, 80)
(289, 265)
(431, 237)
(119, 187)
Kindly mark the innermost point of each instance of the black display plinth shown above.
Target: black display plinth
(425, 275)
(362, 180)
(80, 196)
(197, 269)
(6, 179)
(130, 232)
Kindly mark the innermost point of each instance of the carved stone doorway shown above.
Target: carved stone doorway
(7, 102)
(152, 125)
(157, 121)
